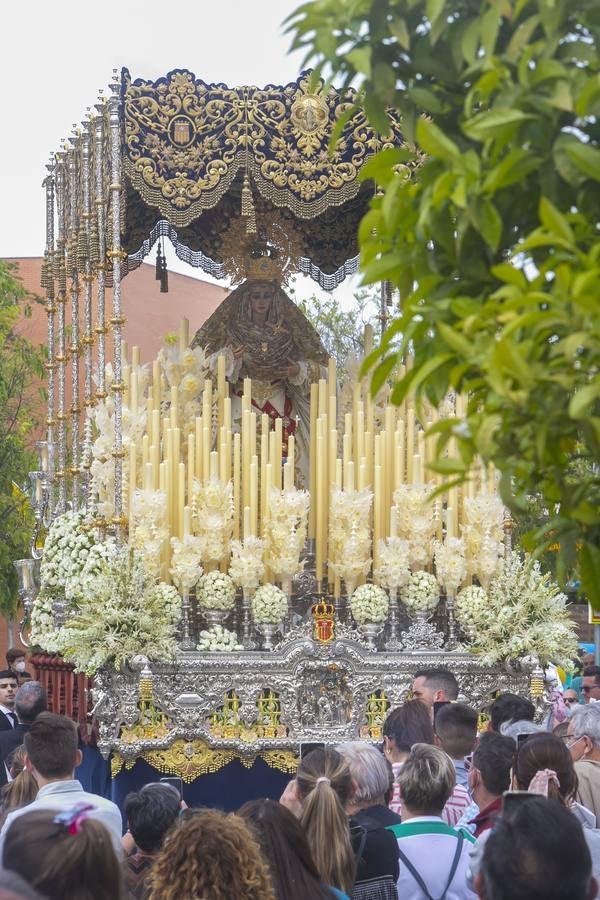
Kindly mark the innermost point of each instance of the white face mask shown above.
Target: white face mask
(20, 665)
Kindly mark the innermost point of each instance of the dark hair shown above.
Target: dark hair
(441, 680)
(13, 653)
(538, 853)
(546, 751)
(13, 886)
(456, 726)
(588, 672)
(150, 813)
(324, 787)
(51, 745)
(510, 708)
(23, 789)
(81, 866)
(409, 724)
(30, 701)
(493, 758)
(285, 848)
(8, 673)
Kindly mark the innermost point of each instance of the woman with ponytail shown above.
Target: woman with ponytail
(543, 765)
(360, 859)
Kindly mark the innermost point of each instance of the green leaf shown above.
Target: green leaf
(455, 340)
(494, 121)
(585, 157)
(554, 221)
(360, 59)
(470, 42)
(509, 274)
(520, 38)
(517, 164)
(488, 221)
(583, 399)
(400, 31)
(490, 25)
(426, 99)
(418, 376)
(434, 142)
(341, 123)
(434, 9)
(382, 372)
(589, 565)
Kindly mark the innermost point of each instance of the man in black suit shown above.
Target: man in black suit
(30, 701)
(8, 690)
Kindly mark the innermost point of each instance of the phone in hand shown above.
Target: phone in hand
(177, 783)
(308, 746)
(513, 800)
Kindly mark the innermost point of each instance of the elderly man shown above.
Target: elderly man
(583, 741)
(377, 864)
(30, 701)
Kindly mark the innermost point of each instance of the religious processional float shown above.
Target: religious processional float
(244, 550)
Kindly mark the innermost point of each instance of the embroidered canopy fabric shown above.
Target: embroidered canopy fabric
(188, 146)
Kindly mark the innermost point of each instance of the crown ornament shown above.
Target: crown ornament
(323, 614)
(271, 253)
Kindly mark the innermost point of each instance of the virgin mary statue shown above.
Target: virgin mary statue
(263, 336)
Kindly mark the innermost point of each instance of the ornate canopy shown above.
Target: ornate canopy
(194, 153)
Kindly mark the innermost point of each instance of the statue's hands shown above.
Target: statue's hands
(289, 371)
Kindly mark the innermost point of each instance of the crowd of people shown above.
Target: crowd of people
(452, 806)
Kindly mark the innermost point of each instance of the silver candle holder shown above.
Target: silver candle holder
(28, 575)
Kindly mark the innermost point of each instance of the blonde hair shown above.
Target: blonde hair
(210, 855)
(427, 779)
(23, 789)
(324, 788)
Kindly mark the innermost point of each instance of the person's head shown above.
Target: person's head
(455, 727)
(324, 788)
(489, 775)
(590, 686)
(370, 772)
(260, 294)
(64, 855)
(545, 751)
(571, 698)
(8, 688)
(404, 726)
(537, 853)
(15, 659)
(510, 708)
(560, 730)
(51, 747)
(210, 854)
(30, 701)
(23, 788)
(426, 781)
(13, 887)
(514, 730)
(583, 733)
(286, 850)
(434, 686)
(150, 813)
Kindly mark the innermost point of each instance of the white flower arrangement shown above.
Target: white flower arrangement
(525, 614)
(215, 590)
(212, 517)
(369, 603)
(286, 532)
(148, 528)
(125, 613)
(483, 536)
(393, 570)
(422, 593)
(268, 605)
(417, 518)
(350, 535)
(247, 567)
(186, 569)
(470, 605)
(450, 564)
(219, 640)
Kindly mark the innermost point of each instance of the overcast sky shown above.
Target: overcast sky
(55, 58)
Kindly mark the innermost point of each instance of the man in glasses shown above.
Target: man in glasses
(583, 741)
(591, 683)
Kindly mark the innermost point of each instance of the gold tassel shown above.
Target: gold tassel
(248, 211)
